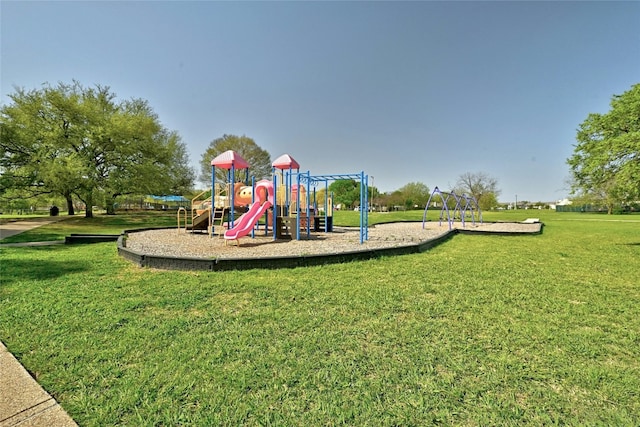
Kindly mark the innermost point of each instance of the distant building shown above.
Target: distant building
(563, 202)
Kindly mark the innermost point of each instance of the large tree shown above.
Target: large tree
(259, 159)
(73, 140)
(481, 186)
(346, 192)
(606, 160)
(414, 194)
(32, 164)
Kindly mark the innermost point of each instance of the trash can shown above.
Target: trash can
(54, 211)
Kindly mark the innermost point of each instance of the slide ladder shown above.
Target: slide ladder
(217, 220)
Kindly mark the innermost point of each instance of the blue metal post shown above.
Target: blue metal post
(366, 213)
(298, 208)
(363, 204)
(326, 205)
(275, 202)
(308, 204)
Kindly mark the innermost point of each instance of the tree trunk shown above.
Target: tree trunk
(70, 209)
(87, 199)
(110, 204)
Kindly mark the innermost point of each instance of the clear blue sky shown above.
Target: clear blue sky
(406, 91)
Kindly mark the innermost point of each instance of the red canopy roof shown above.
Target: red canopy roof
(285, 162)
(230, 159)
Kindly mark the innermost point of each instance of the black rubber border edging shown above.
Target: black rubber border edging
(226, 264)
(73, 239)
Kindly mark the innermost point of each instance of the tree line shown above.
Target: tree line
(82, 143)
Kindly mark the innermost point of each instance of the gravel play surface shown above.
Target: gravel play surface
(174, 243)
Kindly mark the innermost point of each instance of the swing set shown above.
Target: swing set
(464, 206)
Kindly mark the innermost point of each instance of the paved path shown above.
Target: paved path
(16, 227)
(23, 402)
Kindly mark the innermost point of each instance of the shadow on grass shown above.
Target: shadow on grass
(34, 236)
(17, 269)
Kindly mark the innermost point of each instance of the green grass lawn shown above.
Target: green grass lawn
(481, 330)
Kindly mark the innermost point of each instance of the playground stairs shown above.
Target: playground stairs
(322, 223)
(284, 225)
(218, 220)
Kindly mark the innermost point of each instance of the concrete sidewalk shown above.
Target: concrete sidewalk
(23, 402)
(12, 228)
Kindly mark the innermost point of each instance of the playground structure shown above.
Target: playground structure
(464, 205)
(297, 209)
(298, 204)
(205, 215)
(288, 203)
(210, 208)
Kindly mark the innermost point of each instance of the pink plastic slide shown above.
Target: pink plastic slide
(247, 221)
